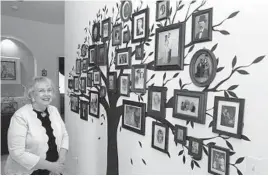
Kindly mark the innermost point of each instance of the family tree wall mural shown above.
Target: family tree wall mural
(113, 43)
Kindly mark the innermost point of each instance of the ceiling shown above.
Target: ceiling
(51, 12)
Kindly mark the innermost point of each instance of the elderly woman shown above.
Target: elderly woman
(37, 137)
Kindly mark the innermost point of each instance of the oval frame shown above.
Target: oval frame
(214, 67)
(123, 3)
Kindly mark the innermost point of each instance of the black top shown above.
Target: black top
(52, 154)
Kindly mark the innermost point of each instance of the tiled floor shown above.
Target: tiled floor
(3, 161)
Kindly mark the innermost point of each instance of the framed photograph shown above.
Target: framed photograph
(96, 78)
(160, 137)
(169, 47)
(92, 55)
(126, 10)
(195, 148)
(106, 29)
(123, 58)
(124, 85)
(84, 65)
(74, 103)
(190, 105)
(89, 79)
(156, 101)
(228, 116)
(126, 36)
(203, 67)
(76, 83)
(10, 70)
(180, 134)
(139, 78)
(84, 110)
(162, 10)
(84, 49)
(112, 84)
(117, 35)
(83, 85)
(9, 107)
(94, 105)
(140, 25)
(70, 83)
(202, 26)
(102, 58)
(218, 160)
(78, 66)
(134, 116)
(96, 32)
(139, 50)
(102, 91)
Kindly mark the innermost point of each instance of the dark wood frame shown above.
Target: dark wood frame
(134, 67)
(146, 25)
(143, 108)
(202, 96)
(97, 84)
(95, 55)
(227, 154)
(76, 90)
(200, 148)
(123, 50)
(120, 34)
(128, 77)
(142, 51)
(70, 83)
(105, 59)
(157, 12)
(75, 110)
(108, 20)
(98, 111)
(184, 129)
(241, 103)
(81, 114)
(121, 10)
(78, 61)
(124, 39)
(83, 89)
(89, 81)
(181, 30)
(15, 69)
(165, 150)
(83, 51)
(114, 75)
(162, 112)
(96, 25)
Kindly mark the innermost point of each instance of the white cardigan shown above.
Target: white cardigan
(27, 139)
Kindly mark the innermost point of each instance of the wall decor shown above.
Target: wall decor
(123, 58)
(228, 116)
(202, 26)
(84, 110)
(218, 160)
(169, 47)
(157, 97)
(139, 78)
(44, 72)
(126, 36)
(102, 91)
(140, 25)
(10, 70)
(96, 32)
(9, 107)
(124, 85)
(180, 134)
(96, 78)
(83, 85)
(190, 105)
(203, 67)
(84, 49)
(70, 83)
(126, 10)
(117, 35)
(74, 103)
(78, 66)
(134, 116)
(106, 29)
(160, 137)
(112, 84)
(195, 148)
(94, 105)
(139, 50)
(162, 10)
(89, 79)
(102, 54)
(84, 65)
(76, 83)
(92, 55)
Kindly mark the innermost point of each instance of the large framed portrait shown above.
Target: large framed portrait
(190, 105)
(102, 54)
(203, 67)
(202, 26)
(78, 66)
(140, 25)
(123, 58)
(112, 84)
(9, 107)
(162, 10)
(139, 78)
(76, 83)
(134, 116)
(84, 65)
(117, 35)
(228, 116)
(126, 10)
(124, 85)
(92, 55)
(89, 79)
(84, 110)
(160, 137)
(70, 83)
(195, 148)
(218, 160)
(96, 32)
(180, 134)
(156, 101)
(106, 29)
(94, 105)
(83, 84)
(96, 78)
(84, 49)
(139, 50)
(169, 47)
(74, 103)
(10, 70)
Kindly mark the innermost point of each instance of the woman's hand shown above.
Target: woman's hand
(56, 168)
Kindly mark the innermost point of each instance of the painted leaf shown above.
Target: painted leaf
(231, 153)
(152, 76)
(159, 25)
(205, 150)
(243, 72)
(258, 59)
(180, 82)
(152, 35)
(245, 138)
(187, 122)
(239, 172)
(196, 163)
(191, 49)
(101, 124)
(211, 143)
(193, 1)
(152, 84)
(183, 159)
(170, 11)
(165, 22)
(131, 161)
(234, 61)
(229, 145)
(192, 124)
(180, 7)
(232, 94)
(226, 94)
(141, 98)
(152, 28)
(192, 164)
(180, 153)
(164, 76)
(239, 160)
(233, 14)
(113, 10)
(144, 162)
(78, 46)
(147, 44)
(232, 87)
(140, 144)
(210, 124)
(132, 54)
(168, 154)
(214, 47)
(175, 75)
(224, 32)
(99, 138)
(220, 69)
(149, 40)
(151, 53)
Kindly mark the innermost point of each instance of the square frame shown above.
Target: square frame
(76, 84)
(162, 6)
(127, 76)
(89, 79)
(145, 25)
(102, 60)
(198, 155)
(210, 163)
(139, 55)
(136, 78)
(84, 110)
(83, 84)
(96, 76)
(117, 35)
(119, 52)
(10, 70)
(162, 108)
(92, 55)
(74, 105)
(184, 135)
(94, 104)
(104, 22)
(113, 76)
(166, 136)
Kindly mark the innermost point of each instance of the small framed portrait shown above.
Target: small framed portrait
(162, 10)
(218, 160)
(140, 25)
(70, 83)
(180, 134)
(160, 137)
(94, 105)
(78, 66)
(92, 55)
(83, 85)
(84, 65)
(96, 32)
(228, 116)
(9, 107)
(139, 50)
(190, 105)
(102, 91)
(106, 29)
(76, 83)
(123, 58)
(124, 85)
(84, 110)
(139, 78)
(156, 101)
(202, 26)
(112, 76)
(74, 103)
(10, 70)
(126, 36)
(169, 47)
(195, 148)
(96, 78)
(84, 49)
(126, 10)
(89, 79)
(102, 58)
(203, 67)
(134, 116)
(117, 35)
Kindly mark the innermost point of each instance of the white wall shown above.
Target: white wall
(247, 41)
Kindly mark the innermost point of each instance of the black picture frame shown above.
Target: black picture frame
(70, 83)
(139, 50)
(123, 58)
(125, 10)
(96, 32)
(84, 65)
(94, 105)
(84, 49)
(117, 35)
(190, 105)
(139, 78)
(78, 66)
(139, 34)
(112, 82)
(203, 67)
(92, 55)
(74, 99)
(126, 36)
(196, 153)
(160, 131)
(106, 29)
(157, 97)
(96, 78)
(83, 84)
(76, 84)
(89, 79)
(204, 18)
(170, 55)
(84, 110)
(180, 134)
(216, 157)
(102, 55)
(134, 116)
(162, 10)
(228, 116)
(124, 83)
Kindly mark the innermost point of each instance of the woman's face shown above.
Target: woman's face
(43, 94)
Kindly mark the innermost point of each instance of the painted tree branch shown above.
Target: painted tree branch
(195, 10)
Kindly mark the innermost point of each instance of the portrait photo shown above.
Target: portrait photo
(156, 101)
(96, 32)
(117, 35)
(124, 85)
(84, 49)
(92, 55)
(126, 36)
(84, 110)
(160, 137)
(195, 148)
(139, 78)
(112, 76)
(83, 85)
(180, 134)
(106, 29)
(70, 83)
(102, 55)
(123, 58)
(96, 78)
(218, 160)
(140, 26)
(74, 103)
(76, 83)
(78, 66)
(126, 10)
(162, 10)
(10, 70)
(228, 116)
(89, 79)
(84, 65)
(139, 50)
(94, 104)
